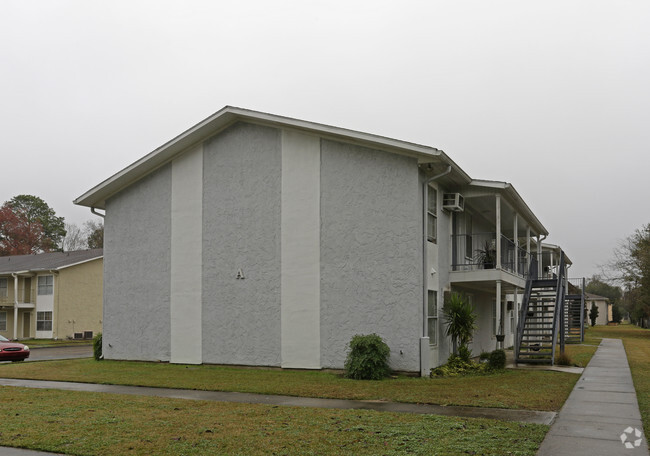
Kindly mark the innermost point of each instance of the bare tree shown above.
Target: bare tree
(75, 238)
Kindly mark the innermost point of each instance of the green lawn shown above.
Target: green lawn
(507, 389)
(109, 424)
(637, 348)
(54, 343)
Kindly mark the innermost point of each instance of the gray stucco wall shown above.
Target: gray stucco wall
(370, 252)
(241, 230)
(137, 270)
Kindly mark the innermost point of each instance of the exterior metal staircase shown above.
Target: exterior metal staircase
(574, 308)
(542, 317)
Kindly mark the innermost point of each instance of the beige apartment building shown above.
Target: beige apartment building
(54, 295)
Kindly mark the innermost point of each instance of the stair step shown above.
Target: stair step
(536, 353)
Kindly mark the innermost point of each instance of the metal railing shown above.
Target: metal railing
(471, 252)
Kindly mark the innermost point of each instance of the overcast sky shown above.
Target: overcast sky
(553, 97)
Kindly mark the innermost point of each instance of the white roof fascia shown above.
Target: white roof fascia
(227, 116)
(78, 263)
(516, 200)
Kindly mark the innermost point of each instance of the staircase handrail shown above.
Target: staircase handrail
(532, 275)
(559, 306)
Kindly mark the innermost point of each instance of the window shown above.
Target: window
(3, 287)
(432, 215)
(44, 321)
(512, 322)
(494, 317)
(432, 317)
(45, 285)
(3, 321)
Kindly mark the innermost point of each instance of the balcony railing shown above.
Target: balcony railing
(9, 300)
(471, 252)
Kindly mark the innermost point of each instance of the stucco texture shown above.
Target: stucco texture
(241, 231)
(137, 231)
(370, 252)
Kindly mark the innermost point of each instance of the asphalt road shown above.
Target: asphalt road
(46, 354)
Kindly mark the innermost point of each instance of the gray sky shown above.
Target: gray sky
(551, 96)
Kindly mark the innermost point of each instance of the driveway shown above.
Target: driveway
(50, 353)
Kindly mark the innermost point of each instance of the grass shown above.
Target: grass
(637, 347)
(506, 389)
(108, 424)
(580, 354)
(53, 343)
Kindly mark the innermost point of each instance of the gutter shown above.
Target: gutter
(424, 339)
(94, 211)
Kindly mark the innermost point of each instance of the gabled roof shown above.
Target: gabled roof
(229, 115)
(46, 261)
(513, 196)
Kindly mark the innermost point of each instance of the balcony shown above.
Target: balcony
(478, 251)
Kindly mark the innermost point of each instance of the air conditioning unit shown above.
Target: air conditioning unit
(453, 202)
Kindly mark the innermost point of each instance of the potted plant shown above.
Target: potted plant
(487, 256)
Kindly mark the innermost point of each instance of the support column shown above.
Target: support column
(516, 239)
(15, 307)
(499, 314)
(528, 248)
(498, 223)
(515, 310)
(539, 256)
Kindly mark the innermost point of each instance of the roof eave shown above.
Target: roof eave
(96, 197)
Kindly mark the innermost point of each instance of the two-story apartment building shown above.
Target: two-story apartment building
(257, 239)
(54, 295)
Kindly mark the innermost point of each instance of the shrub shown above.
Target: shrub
(564, 360)
(497, 360)
(367, 358)
(456, 367)
(97, 347)
(460, 320)
(465, 353)
(484, 356)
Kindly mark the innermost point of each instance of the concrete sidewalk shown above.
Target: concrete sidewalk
(524, 416)
(602, 413)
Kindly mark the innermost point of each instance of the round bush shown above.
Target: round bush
(367, 358)
(497, 360)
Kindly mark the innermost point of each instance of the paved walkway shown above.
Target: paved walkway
(524, 416)
(599, 411)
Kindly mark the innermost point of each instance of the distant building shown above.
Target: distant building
(604, 308)
(54, 295)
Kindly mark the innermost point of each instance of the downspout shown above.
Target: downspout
(94, 211)
(424, 360)
(15, 276)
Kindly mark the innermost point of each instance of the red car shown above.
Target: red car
(12, 351)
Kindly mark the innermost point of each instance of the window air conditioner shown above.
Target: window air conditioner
(453, 202)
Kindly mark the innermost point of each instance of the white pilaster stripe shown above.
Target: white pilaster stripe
(186, 257)
(300, 251)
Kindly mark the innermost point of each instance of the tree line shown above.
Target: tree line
(28, 225)
(626, 279)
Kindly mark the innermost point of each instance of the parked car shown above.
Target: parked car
(12, 351)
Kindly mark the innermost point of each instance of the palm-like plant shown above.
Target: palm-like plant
(460, 320)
